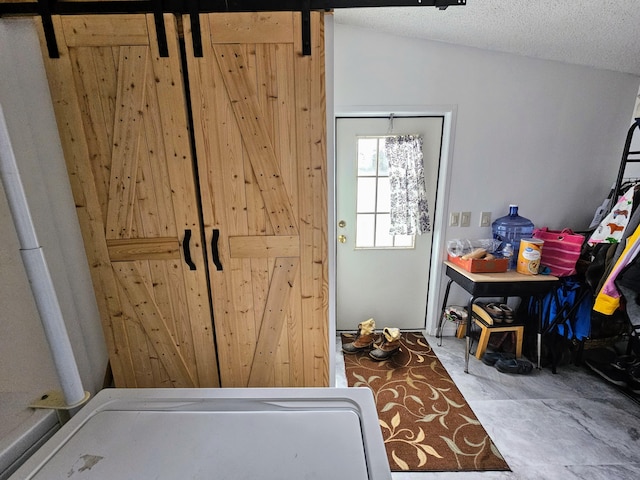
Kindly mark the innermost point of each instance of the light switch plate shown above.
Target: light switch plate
(454, 219)
(465, 219)
(485, 219)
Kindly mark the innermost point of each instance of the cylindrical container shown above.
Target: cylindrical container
(529, 256)
(507, 252)
(511, 229)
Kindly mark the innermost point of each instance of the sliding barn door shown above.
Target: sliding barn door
(122, 118)
(259, 124)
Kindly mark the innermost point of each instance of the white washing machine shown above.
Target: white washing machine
(234, 434)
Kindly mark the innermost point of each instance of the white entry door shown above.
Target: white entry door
(378, 275)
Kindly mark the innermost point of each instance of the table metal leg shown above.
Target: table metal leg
(468, 335)
(539, 349)
(466, 354)
(444, 305)
(539, 345)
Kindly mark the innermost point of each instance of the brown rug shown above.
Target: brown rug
(426, 423)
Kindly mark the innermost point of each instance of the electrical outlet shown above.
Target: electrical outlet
(485, 219)
(454, 219)
(465, 219)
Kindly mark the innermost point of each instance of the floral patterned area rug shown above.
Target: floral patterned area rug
(426, 423)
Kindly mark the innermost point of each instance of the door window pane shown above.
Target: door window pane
(365, 230)
(366, 195)
(383, 239)
(384, 196)
(373, 198)
(367, 156)
(404, 240)
(383, 162)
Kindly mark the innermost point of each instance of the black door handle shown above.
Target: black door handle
(214, 249)
(186, 250)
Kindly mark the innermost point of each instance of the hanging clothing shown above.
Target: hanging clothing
(612, 228)
(608, 298)
(617, 249)
(409, 209)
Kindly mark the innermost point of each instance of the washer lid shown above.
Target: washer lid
(217, 433)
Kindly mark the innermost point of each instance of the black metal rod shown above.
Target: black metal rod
(306, 28)
(161, 32)
(623, 165)
(196, 34)
(182, 7)
(44, 9)
(47, 8)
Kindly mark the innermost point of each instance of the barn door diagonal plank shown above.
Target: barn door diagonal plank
(128, 133)
(250, 119)
(154, 324)
(273, 320)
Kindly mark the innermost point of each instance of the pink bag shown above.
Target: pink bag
(561, 250)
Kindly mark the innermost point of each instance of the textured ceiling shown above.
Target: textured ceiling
(596, 33)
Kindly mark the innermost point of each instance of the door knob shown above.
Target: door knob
(342, 238)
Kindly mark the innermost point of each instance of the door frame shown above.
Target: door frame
(436, 280)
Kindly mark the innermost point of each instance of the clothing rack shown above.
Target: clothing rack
(600, 363)
(628, 156)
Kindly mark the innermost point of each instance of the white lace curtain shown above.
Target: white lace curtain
(409, 210)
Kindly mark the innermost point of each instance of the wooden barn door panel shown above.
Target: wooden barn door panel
(122, 118)
(259, 125)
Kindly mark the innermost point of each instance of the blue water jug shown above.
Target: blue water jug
(510, 229)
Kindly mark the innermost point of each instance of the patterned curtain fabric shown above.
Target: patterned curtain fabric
(409, 210)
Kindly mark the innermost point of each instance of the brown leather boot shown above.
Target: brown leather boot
(364, 339)
(390, 344)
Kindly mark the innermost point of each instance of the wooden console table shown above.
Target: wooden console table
(505, 284)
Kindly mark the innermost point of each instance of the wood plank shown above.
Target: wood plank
(175, 301)
(144, 367)
(273, 320)
(95, 73)
(264, 246)
(128, 250)
(241, 92)
(154, 209)
(321, 351)
(71, 126)
(285, 118)
(291, 354)
(311, 135)
(128, 129)
(104, 30)
(154, 324)
(252, 27)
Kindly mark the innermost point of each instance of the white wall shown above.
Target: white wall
(545, 135)
(25, 99)
(26, 362)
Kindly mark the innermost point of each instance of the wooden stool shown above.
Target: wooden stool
(482, 319)
(487, 330)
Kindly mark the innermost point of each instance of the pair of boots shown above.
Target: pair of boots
(366, 340)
